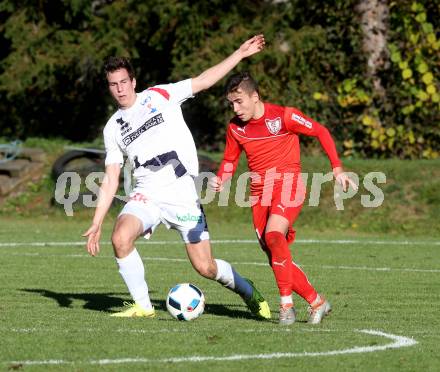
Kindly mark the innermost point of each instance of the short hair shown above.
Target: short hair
(113, 63)
(241, 80)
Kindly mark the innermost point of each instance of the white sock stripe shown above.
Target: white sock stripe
(299, 268)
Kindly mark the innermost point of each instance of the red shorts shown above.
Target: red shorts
(280, 202)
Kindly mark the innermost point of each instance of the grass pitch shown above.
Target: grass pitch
(56, 301)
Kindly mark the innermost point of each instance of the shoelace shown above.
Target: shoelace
(128, 304)
(285, 307)
(314, 308)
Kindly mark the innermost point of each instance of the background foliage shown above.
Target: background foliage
(51, 57)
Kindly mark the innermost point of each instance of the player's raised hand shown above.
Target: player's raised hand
(252, 46)
(343, 179)
(215, 184)
(93, 235)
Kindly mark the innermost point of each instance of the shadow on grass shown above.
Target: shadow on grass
(93, 301)
(229, 310)
(109, 302)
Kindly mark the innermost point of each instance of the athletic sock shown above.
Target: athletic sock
(228, 277)
(301, 285)
(286, 300)
(287, 274)
(280, 261)
(316, 301)
(132, 271)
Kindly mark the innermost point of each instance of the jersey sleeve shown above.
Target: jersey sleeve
(298, 123)
(231, 156)
(176, 93)
(113, 153)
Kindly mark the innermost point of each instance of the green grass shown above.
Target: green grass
(56, 303)
(56, 300)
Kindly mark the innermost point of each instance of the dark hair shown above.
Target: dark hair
(112, 64)
(241, 80)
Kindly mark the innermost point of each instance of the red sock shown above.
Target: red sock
(287, 274)
(280, 261)
(301, 285)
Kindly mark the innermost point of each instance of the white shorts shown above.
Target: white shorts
(176, 206)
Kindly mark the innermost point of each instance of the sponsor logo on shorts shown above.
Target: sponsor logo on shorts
(281, 207)
(189, 217)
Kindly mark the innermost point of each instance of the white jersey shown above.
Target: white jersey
(154, 136)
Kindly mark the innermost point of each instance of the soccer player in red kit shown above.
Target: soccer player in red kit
(268, 134)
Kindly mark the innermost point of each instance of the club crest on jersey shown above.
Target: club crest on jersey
(274, 125)
(147, 103)
(145, 100)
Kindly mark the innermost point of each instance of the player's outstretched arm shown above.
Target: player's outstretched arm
(298, 123)
(107, 192)
(210, 76)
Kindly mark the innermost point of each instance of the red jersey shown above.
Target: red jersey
(271, 143)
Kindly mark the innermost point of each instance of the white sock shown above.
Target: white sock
(225, 274)
(286, 300)
(316, 301)
(132, 271)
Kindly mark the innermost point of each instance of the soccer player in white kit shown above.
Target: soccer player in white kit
(150, 129)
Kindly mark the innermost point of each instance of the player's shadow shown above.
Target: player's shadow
(230, 310)
(92, 301)
(110, 301)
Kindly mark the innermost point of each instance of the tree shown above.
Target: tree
(327, 58)
(374, 24)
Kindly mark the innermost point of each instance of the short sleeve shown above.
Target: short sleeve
(113, 152)
(176, 93)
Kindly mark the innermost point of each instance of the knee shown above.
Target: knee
(122, 245)
(276, 242)
(206, 269)
(274, 239)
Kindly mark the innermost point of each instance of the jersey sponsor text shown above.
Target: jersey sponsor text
(155, 120)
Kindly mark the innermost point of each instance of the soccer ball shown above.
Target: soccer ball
(185, 301)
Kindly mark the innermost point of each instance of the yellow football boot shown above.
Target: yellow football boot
(257, 304)
(134, 310)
